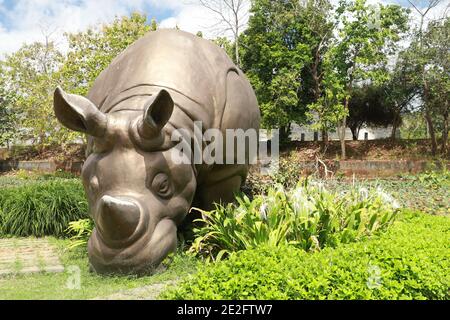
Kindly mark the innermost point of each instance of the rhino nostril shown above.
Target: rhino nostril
(118, 218)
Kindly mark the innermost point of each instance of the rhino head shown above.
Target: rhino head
(137, 195)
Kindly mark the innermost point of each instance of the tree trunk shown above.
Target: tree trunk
(342, 139)
(342, 131)
(355, 133)
(431, 132)
(324, 138)
(236, 42)
(284, 134)
(444, 134)
(395, 126)
(394, 132)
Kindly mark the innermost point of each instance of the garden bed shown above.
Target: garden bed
(408, 261)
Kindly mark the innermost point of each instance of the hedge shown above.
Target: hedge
(410, 261)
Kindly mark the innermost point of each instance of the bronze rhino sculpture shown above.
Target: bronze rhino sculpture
(137, 194)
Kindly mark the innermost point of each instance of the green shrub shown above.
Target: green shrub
(41, 208)
(434, 179)
(308, 217)
(409, 261)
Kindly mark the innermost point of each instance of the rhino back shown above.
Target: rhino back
(192, 69)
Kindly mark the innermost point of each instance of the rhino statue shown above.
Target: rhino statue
(137, 194)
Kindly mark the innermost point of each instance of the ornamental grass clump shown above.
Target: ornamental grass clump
(308, 217)
(41, 208)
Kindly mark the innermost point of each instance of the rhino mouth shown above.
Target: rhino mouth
(125, 239)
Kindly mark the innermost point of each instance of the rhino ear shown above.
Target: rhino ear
(78, 113)
(157, 113)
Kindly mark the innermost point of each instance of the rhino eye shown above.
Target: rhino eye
(161, 184)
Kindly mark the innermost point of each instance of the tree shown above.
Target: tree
(8, 116)
(274, 56)
(225, 44)
(401, 89)
(232, 16)
(34, 71)
(367, 35)
(30, 74)
(323, 109)
(91, 51)
(437, 77)
(422, 59)
(327, 109)
(368, 105)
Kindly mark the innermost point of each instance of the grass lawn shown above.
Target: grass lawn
(57, 285)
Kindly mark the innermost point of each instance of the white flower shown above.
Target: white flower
(388, 198)
(263, 211)
(363, 193)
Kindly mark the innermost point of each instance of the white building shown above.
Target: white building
(305, 133)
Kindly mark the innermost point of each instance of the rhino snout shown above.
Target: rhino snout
(118, 217)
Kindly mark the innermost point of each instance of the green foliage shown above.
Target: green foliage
(9, 116)
(91, 51)
(288, 175)
(368, 105)
(224, 43)
(307, 217)
(367, 36)
(435, 179)
(29, 75)
(273, 59)
(41, 208)
(80, 232)
(428, 192)
(32, 73)
(410, 261)
(327, 110)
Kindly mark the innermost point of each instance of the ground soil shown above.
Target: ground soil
(356, 150)
(71, 152)
(365, 150)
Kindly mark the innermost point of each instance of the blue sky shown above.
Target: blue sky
(25, 21)
(160, 12)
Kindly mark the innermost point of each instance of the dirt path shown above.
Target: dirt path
(150, 292)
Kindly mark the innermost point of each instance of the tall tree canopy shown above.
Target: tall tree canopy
(367, 36)
(274, 56)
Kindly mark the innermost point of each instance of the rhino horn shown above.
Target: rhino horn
(79, 113)
(157, 113)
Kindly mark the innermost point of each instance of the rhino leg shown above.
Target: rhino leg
(223, 188)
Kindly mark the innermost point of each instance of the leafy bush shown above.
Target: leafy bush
(287, 175)
(81, 231)
(41, 208)
(409, 261)
(308, 217)
(435, 179)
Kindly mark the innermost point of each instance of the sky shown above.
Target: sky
(26, 21)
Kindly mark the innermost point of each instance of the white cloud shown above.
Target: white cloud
(192, 17)
(29, 20)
